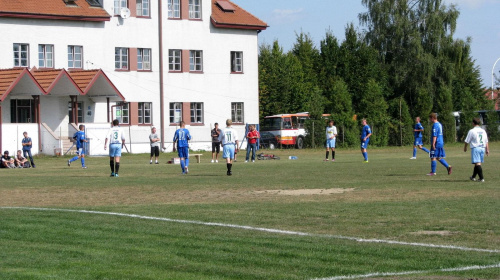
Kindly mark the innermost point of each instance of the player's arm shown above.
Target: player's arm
(465, 147)
(106, 143)
(487, 149)
(237, 145)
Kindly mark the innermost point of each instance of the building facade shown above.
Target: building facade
(146, 63)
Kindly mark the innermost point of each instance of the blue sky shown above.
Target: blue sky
(479, 19)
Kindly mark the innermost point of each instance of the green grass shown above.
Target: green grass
(389, 198)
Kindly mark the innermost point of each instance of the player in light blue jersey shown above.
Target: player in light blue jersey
(437, 145)
(478, 141)
(79, 138)
(417, 131)
(229, 140)
(331, 134)
(182, 138)
(116, 139)
(366, 132)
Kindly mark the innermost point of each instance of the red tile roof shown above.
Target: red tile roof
(9, 78)
(48, 78)
(52, 9)
(224, 17)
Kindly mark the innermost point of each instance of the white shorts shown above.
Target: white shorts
(228, 151)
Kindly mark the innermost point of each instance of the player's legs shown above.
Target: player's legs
(151, 153)
(27, 154)
(228, 154)
(249, 147)
(477, 158)
(157, 154)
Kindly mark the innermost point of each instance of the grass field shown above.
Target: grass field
(274, 219)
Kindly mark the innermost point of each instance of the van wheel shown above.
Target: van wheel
(300, 143)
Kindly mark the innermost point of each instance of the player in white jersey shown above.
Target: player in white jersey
(331, 134)
(229, 140)
(478, 142)
(116, 142)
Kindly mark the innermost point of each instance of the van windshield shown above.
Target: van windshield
(271, 124)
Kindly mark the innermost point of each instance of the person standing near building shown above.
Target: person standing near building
(116, 142)
(79, 138)
(182, 138)
(478, 141)
(26, 142)
(417, 133)
(252, 137)
(331, 135)
(229, 139)
(437, 145)
(154, 141)
(215, 142)
(366, 132)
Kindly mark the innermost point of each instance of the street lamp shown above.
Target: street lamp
(493, 77)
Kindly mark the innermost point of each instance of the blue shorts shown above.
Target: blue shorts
(80, 151)
(418, 142)
(437, 153)
(364, 144)
(477, 155)
(115, 150)
(183, 152)
(228, 151)
(330, 143)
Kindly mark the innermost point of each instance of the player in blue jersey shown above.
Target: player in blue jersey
(366, 132)
(437, 145)
(79, 138)
(418, 138)
(182, 138)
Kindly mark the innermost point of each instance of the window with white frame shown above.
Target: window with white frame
(46, 56)
(122, 113)
(143, 59)
(144, 113)
(75, 56)
(237, 112)
(174, 9)
(121, 58)
(194, 9)
(237, 62)
(21, 55)
(119, 4)
(175, 112)
(197, 112)
(174, 60)
(142, 7)
(195, 60)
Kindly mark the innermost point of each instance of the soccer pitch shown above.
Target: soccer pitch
(273, 219)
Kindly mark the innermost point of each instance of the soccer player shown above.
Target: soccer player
(418, 138)
(154, 142)
(215, 142)
(366, 132)
(229, 139)
(478, 141)
(79, 138)
(116, 142)
(27, 148)
(182, 137)
(331, 134)
(437, 145)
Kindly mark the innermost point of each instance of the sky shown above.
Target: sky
(479, 20)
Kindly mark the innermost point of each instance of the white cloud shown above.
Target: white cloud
(287, 16)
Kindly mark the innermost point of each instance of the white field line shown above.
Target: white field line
(390, 274)
(268, 230)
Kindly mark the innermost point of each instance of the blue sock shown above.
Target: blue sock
(365, 155)
(83, 161)
(443, 162)
(414, 152)
(425, 150)
(187, 162)
(182, 165)
(73, 159)
(433, 166)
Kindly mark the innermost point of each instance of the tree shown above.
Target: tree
(400, 123)
(374, 108)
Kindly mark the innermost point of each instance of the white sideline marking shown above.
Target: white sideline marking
(386, 274)
(269, 230)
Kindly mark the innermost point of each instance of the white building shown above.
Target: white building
(147, 63)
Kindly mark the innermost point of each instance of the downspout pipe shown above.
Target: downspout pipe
(160, 45)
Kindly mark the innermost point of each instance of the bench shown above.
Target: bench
(198, 157)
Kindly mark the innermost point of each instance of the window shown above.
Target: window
(174, 9)
(195, 9)
(143, 59)
(144, 114)
(95, 3)
(175, 112)
(122, 112)
(22, 110)
(142, 7)
(121, 59)
(46, 56)
(237, 62)
(237, 112)
(75, 56)
(195, 61)
(196, 112)
(119, 4)
(21, 55)
(174, 60)
(79, 112)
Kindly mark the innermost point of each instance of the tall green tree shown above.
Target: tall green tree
(374, 109)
